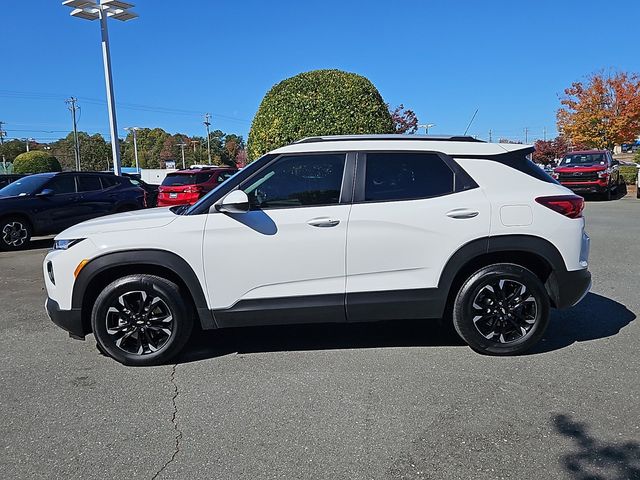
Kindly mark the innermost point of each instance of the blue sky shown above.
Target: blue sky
(509, 59)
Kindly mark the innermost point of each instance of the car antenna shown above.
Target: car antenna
(472, 119)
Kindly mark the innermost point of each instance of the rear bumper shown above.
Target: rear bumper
(69, 320)
(567, 288)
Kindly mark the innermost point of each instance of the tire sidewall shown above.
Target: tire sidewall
(463, 317)
(168, 292)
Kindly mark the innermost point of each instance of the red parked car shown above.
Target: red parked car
(188, 186)
(589, 171)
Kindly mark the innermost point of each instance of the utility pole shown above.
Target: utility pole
(526, 135)
(2, 134)
(182, 145)
(207, 123)
(76, 147)
(544, 133)
(135, 145)
(490, 136)
(27, 142)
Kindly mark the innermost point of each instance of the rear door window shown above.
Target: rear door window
(89, 183)
(406, 176)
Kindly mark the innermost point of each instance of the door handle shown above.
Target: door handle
(462, 213)
(323, 222)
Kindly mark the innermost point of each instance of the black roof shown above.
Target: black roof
(393, 136)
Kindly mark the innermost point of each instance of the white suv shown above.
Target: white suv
(333, 229)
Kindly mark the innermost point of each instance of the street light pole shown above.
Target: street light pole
(113, 126)
(135, 145)
(91, 10)
(426, 127)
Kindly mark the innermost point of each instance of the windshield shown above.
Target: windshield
(24, 186)
(583, 159)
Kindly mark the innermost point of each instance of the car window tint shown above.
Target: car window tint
(203, 177)
(108, 181)
(89, 183)
(179, 179)
(223, 176)
(403, 176)
(295, 181)
(62, 184)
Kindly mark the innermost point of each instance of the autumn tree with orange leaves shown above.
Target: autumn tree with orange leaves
(602, 112)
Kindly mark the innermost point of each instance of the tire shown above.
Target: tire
(637, 191)
(15, 233)
(509, 324)
(141, 320)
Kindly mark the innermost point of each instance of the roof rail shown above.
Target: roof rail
(393, 136)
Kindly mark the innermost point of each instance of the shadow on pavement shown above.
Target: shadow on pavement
(594, 317)
(215, 343)
(617, 194)
(594, 459)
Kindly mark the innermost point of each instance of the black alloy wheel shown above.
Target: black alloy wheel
(501, 309)
(141, 320)
(15, 234)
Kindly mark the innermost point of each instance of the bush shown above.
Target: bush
(320, 102)
(36, 161)
(629, 173)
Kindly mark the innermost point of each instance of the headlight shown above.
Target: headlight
(65, 244)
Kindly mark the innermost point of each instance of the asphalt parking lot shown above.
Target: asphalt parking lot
(396, 401)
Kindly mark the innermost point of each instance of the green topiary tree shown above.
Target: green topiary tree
(36, 161)
(320, 102)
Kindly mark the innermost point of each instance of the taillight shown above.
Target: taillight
(555, 175)
(568, 205)
(193, 189)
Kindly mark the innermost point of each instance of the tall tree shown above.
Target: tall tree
(11, 149)
(548, 150)
(602, 112)
(404, 120)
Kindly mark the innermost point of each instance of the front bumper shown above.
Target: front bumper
(69, 320)
(587, 187)
(567, 288)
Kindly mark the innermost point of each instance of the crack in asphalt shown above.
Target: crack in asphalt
(176, 428)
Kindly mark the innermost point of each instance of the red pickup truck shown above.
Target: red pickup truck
(589, 171)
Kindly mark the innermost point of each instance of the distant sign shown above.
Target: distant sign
(170, 164)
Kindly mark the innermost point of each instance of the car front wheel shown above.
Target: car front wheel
(15, 233)
(501, 309)
(141, 320)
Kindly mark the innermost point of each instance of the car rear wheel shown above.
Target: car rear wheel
(141, 320)
(15, 233)
(501, 309)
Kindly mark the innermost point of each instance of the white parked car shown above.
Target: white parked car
(333, 229)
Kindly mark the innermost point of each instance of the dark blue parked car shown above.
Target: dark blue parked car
(48, 203)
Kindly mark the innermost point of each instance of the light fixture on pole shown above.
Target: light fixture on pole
(426, 127)
(92, 10)
(135, 144)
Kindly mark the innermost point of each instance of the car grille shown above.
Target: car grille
(578, 177)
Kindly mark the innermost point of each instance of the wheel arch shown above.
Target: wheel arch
(534, 253)
(102, 270)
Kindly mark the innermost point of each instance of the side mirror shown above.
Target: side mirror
(47, 192)
(236, 202)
